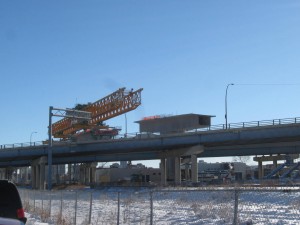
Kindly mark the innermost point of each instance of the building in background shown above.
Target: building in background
(132, 174)
(222, 172)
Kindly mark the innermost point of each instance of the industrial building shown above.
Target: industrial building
(138, 174)
(232, 171)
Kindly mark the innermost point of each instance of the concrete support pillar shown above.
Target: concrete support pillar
(42, 176)
(37, 175)
(70, 172)
(82, 173)
(163, 172)
(8, 173)
(170, 169)
(26, 175)
(87, 174)
(57, 176)
(187, 171)
(92, 175)
(33, 177)
(177, 170)
(2, 172)
(194, 168)
(275, 163)
(93, 167)
(260, 170)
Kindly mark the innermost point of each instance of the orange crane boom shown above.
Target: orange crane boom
(115, 104)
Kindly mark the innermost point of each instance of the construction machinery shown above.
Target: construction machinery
(115, 104)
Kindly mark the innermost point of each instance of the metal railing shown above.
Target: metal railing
(22, 145)
(137, 135)
(261, 123)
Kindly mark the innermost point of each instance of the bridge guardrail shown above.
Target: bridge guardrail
(137, 135)
(22, 145)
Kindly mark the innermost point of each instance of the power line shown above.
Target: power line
(268, 84)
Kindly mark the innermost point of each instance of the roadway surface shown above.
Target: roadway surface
(252, 138)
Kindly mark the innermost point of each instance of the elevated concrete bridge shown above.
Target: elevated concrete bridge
(242, 139)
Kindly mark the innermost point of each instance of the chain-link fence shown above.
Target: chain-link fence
(166, 206)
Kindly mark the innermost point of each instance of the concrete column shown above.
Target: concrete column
(33, 177)
(37, 175)
(2, 174)
(87, 175)
(38, 169)
(57, 176)
(82, 173)
(260, 170)
(170, 169)
(42, 176)
(70, 172)
(9, 173)
(163, 172)
(93, 173)
(187, 171)
(275, 163)
(26, 175)
(194, 168)
(177, 170)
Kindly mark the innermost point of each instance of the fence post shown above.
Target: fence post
(76, 197)
(50, 203)
(61, 203)
(236, 206)
(118, 216)
(151, 208)
(34, 201)
(42, 202)
(91, 202)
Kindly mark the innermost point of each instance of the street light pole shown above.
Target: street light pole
(34, 132)
(226, 104)
(50, 149)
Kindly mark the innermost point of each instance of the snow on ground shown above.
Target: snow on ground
(268, 206)
(32, 220)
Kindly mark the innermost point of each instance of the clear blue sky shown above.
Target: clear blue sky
(183, 53)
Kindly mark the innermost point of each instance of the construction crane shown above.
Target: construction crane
(115, 104)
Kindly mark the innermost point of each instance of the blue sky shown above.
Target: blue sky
(183, 53)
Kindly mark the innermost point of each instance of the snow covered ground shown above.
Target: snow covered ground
(269, 206)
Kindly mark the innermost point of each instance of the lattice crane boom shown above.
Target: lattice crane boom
(115, 104)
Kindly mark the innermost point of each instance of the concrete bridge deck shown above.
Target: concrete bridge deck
(248, 138)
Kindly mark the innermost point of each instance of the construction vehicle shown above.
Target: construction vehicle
(115, 104)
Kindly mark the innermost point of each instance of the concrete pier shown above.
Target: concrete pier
(38, 173)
